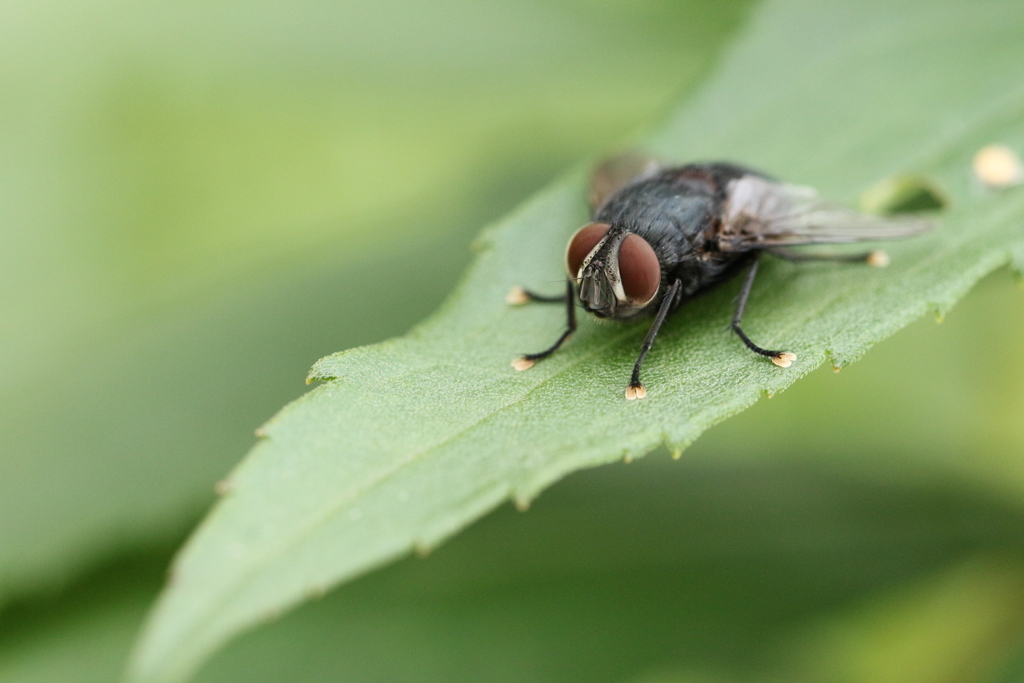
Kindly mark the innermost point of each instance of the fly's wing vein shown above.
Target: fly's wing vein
(761, 213)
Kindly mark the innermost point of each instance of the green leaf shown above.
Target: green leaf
(409, 441)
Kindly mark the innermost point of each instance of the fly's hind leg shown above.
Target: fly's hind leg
(781, 358)
(526, 362)
(877, 258)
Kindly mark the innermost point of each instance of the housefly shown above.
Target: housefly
(661, 235)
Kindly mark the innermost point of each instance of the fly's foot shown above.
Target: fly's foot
(517, 296)
(523, 363)
(783, 358)
(878, 258)
(634, 391)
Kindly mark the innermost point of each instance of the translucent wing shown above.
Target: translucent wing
(613, 174)
(760, 213)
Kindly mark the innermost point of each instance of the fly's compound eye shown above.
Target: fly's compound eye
(581, 244)
(639, 269)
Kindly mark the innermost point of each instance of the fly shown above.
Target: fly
(661, 235)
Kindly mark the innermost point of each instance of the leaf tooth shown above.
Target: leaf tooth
(676, 445)
(835, 360)
(320, 372)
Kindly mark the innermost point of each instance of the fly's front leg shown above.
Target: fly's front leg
(877, 258)
(526, 362)
(635, 389)
(781, 358)
(517, 296)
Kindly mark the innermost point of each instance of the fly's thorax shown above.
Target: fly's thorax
(617, 270)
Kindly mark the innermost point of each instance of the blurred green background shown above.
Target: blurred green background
(198, 200)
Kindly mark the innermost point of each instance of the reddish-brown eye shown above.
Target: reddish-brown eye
(639, 269)
(581, 244)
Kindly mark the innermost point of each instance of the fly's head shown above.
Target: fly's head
(618, 271)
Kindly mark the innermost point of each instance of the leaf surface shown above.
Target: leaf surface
(408, 441)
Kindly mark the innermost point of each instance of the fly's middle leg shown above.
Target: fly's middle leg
(526, 362)
(781, 358)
